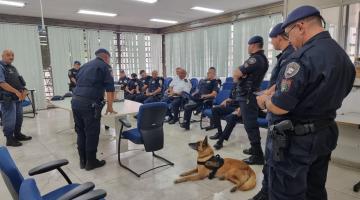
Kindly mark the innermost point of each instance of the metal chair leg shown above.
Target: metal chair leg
(357, 187)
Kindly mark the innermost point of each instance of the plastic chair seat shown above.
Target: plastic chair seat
(133, 135)
(59, 192)
(262, 122)
(26, 103)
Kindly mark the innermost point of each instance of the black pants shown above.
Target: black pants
(200, 104)
(231, 121)
(87, 128)
(174, 106)
(218, 113)
(131, 97)
(249, 113)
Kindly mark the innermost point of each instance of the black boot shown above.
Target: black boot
(82, 156)
(92, 162)
(173, 121)
(219, 144)
(22, 137)
(12, 142)
(260, 196)
(257, 156)
(216, 136)
(249, 151)
(185, 125)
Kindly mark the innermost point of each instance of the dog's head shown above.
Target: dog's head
(202, 147)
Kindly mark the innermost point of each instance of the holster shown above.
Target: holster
(98, 106)
(280, 139)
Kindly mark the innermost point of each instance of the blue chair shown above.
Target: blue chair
(229, 80)
(264, 85)
(149, 132)
(14, 180)
(223, 94)
(167, 82)
(228, 86)
(194, 83)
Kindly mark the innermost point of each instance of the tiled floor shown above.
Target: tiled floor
(54, 139)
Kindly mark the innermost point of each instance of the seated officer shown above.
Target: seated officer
(205, 92)
(153, 92)
(72, 75)
(145, 79)
(133, 88)
(173, 96)
(123, 80)
(13, 92)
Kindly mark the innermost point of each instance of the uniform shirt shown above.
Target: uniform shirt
(281, 58)
(133, 83)
(207, 86)
(123, 82)
(155, 83)
(180, 86)
(72, 74)
(93, 79)
(146, 80)
(315, 80)
(254, 70)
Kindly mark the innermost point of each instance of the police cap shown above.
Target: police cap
(299, 13)
(277, 30)
(102, 50)
(77, 63)
(256, 39)
(133, 75)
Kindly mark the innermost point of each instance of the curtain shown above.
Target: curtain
(100, 39)
(198, 50)
(24, 41)
(66, 46)
(156, 52)
(245, 29)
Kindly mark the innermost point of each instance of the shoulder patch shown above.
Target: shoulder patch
(251, 61)
(291, 69)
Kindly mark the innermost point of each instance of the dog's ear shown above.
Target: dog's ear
(205, 142)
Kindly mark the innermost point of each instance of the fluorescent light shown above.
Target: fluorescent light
(207, 9)
(164, 21)
(147, 1)
(12, 3)
(91, 12)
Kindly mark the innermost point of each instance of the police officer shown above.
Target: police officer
(133, 88)
(252, 73)
(123, 80)
(205, 92)
(303, 109)
(280, 42)
(174, 94)
(72, 75)
(153, 91)
(94, 78)
(145, 79)
(12, 93)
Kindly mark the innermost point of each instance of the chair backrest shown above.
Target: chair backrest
(194, 84)
(229, 80)
(221, 96)
(150, 125)
(264, 85)
(10, 173)
(29, 190)
(228, 86)
(167, 82)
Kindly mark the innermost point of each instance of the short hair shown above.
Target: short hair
(142, 71)
(316, 19)
(260, 45)
(212, 68)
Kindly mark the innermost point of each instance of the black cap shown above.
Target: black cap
(77, 63)
(102, 50)
(256, 39)
(277, 30)
(299, 13)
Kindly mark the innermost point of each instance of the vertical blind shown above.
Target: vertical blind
(25, 42)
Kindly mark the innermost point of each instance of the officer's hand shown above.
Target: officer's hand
(110, 110)
(261, 101)
(203, 97)
(238, 112)
(19, 95)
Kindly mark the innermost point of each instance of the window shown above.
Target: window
(231, 52)
(352, 31)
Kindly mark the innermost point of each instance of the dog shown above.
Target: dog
(236, 171)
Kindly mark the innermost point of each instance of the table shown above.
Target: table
(347, 151)
(123, 109)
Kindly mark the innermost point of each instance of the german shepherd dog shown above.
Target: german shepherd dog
(236, 171)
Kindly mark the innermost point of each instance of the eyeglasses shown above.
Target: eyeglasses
(288, 32)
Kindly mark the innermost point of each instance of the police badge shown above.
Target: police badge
(291, 69)
(251, 61)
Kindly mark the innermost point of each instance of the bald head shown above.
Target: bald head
(7, 56)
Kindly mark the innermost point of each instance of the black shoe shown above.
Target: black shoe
(12, 142)
(93, 164)
(22, 137)
(216, 136)
(218, 145)
(185, 126)
(249, 151)
(209, 128)
(173, 121)
(254, 160)
(82, 164)
(260, 196)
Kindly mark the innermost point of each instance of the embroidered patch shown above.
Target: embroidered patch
(251, 61)
(246, 65)
(285, 85)
(291, 69)
(153, 82)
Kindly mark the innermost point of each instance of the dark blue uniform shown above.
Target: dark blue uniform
(311, 86)
(145, 83)
(132, 85)
(123, 82)
(153, 85)
(93, 79)
(281, 59)
(254, 70)
(72, 73)
(205, 87)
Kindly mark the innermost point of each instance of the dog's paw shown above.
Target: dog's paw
(178, 181)
(234, 189)
(183, 174)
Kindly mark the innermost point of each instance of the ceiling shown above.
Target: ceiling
(130, 12)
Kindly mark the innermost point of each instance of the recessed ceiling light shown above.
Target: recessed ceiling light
(92, 12)
(211, 10)
(12, 3)
(164, 21)
(147, 1)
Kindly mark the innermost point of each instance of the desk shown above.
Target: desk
(112, 120)
(348, 150)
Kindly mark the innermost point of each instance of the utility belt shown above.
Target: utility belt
(7, 97)
(281, 132)
(96, 105)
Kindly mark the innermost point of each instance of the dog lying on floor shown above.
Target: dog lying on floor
(210, 166)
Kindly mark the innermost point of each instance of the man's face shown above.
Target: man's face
(250, 48)
(275, 41)
(295, 34)
(236, 74)
(182, 74)
(154, 74)
(76, 66)
(8, 57)
(211, 74)
(122, 75)
(143, 75)
(178, 71)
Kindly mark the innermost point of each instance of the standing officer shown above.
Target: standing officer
(252, 73)
(12, 93)
(303, 132)
(133, 88)
(72, 75)
(153, 91)
(280, 42)
(123, 80)
(94, 78)
(204, 94)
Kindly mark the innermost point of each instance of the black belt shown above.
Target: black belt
(301, 129)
